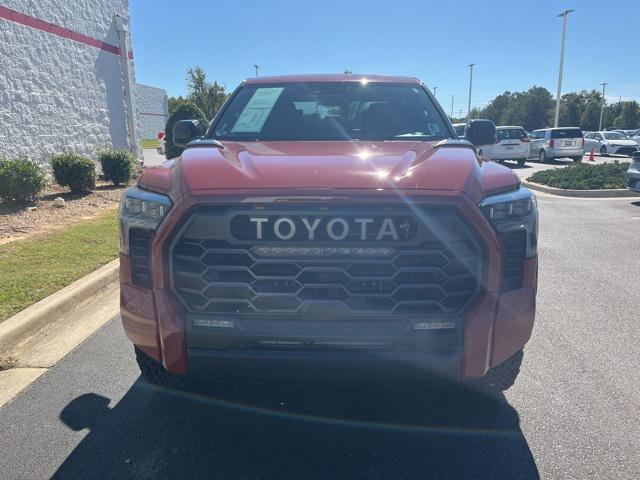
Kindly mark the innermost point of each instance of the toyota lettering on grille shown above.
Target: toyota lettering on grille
(331, 228)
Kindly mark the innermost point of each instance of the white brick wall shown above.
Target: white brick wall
(151, 102)
(58, 94)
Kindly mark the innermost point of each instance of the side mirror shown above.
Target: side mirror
(481, 132)
(186, 130)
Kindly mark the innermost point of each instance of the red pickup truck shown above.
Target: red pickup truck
(329, 227)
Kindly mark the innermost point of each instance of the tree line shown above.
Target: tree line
(535, 109)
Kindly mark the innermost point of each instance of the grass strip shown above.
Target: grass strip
(34, 268)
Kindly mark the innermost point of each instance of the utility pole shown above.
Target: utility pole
(434, 91)
(451, 106)
(471, 65)
(604, 85)
(257, 67)
(564, 16)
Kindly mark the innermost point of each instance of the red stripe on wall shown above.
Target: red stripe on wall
(38, 24)
(154, 114)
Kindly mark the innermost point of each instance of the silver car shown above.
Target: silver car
(550, 143)
(633, 174)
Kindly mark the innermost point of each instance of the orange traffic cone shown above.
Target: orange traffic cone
(592, 154)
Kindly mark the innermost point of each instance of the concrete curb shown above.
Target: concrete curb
(609, 193)
(33, 318)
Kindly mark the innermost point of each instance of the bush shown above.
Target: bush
(117, 165)
(20, 179)
(584, 177)
(186, 111)
(73, 171)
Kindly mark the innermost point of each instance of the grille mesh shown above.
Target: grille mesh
(514, 245)
(227, 276)
(139, 244)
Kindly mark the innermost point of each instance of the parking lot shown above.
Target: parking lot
(573, 412)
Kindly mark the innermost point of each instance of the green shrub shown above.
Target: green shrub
(73, 171)
(186, 111)
(20, 179)
(117, 165)
(584, 177)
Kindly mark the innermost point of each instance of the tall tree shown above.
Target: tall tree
(207, 96)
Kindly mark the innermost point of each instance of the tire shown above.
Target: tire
(542, 156)
(576, 159)
(153, 372)
(503, 376)
(521, 162)
(603, 151)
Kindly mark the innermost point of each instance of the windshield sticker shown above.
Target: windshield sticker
(257, 110)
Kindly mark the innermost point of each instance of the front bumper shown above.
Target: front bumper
(494, 327)
(633, 177)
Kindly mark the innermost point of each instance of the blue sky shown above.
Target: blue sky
(514, 44)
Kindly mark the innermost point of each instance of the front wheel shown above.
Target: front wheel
(577, 159)
(542, 156)
(153, 372)
(603, 151)
(521, 162)
(503, 376)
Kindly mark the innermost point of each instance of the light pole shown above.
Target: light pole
(434, 91)
(451, 106)
(257, 67)
(471, 65)
(602, 107)
(564, 16)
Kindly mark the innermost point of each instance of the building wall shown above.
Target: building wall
(59, 93)
(153, 108)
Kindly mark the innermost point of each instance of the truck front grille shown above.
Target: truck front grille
(435, 274)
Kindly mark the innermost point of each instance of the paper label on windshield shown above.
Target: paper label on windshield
(257, 110)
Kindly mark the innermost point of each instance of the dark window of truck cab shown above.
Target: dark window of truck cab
(331, 111)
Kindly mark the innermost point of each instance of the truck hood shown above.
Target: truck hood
(341, 165)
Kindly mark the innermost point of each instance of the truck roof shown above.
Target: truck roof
(333, 77)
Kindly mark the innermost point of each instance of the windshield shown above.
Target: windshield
(614, 136)
(331, 111)
(566, 133)
(511, 134)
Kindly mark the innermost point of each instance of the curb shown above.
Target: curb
(38, 315)
(562, 192)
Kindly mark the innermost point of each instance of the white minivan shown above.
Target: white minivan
(512, 144)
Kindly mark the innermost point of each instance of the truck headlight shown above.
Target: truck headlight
(141, 209)
(517, 210)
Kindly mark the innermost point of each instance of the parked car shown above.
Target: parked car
(268, 254)
(459, 127)
(633, 174)
(512, 144)
(635, 136)
(610, 142)
(550, 143)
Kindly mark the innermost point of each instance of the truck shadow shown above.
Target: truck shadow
(274, 431)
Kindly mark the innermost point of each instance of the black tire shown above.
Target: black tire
(154, 373)
(577, 159)
(603, 151)
(521, 162)
(542, 156)
(503, 376)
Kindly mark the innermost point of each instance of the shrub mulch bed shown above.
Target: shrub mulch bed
(23, 220)
(584, 177)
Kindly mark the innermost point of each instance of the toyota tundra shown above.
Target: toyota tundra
(329, 227)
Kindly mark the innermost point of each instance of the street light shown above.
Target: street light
(434, 91)
(257, 67)
(564, 16)
(471, 65)
(602, 107)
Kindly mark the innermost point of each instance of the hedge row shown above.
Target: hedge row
(584, 177)
(22, 179)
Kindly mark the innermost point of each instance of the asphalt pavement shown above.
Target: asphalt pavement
(573, 413)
